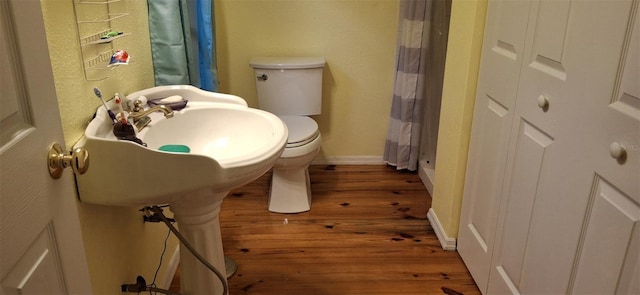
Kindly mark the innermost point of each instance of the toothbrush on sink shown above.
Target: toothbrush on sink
(98, 93)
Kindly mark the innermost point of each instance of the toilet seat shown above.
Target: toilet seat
(302, 130)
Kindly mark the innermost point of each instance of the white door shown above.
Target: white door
(552, 198)
(41, 250)
(572, 207)
(502, 56)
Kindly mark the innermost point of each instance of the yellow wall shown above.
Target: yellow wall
(459, 91)
(118, 245)
(357, 38)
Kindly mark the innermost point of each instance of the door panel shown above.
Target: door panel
(39, 270)
(14, 112)
(477, 240)
(502, 56)
(612, 223)
(531, 145)
(41, 250)
(494, 118)
(551, 22)
(626, 93)
(630, 274)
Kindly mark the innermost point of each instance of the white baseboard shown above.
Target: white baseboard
(427, 175)
(172, 267)
(447, 243)
(348, 160)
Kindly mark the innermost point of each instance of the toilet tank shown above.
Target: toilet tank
(289, 85)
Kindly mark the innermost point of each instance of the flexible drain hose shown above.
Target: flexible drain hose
(221, 277)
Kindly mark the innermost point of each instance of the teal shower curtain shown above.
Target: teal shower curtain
(182, 34)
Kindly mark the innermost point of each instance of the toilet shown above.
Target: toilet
(291, 88)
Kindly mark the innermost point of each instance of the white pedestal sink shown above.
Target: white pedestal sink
(231, 145)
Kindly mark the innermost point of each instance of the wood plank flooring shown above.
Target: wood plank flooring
(366, 233)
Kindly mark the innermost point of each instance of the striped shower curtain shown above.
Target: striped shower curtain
(403, 138)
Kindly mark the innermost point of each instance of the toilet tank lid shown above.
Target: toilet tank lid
(287, 62)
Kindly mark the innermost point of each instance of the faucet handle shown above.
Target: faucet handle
(137, 105)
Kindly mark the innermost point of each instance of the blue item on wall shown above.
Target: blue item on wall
(183, 42)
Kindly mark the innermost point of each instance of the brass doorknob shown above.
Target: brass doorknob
(78, 160)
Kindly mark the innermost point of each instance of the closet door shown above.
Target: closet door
(497, 88)
(570, 218)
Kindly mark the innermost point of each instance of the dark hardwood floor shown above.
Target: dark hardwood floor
(366, 233)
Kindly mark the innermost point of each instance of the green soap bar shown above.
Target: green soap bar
(176, 148)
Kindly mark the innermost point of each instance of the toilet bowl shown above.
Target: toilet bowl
(290, 185)
(291, 88)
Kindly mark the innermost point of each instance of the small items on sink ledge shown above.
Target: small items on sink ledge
(175, 102)
(126, 131)
(127, 123)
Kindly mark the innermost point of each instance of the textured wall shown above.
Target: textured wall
(75, 94)
(356, 37)
(118, 245)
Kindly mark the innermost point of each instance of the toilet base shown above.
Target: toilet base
(290, 190)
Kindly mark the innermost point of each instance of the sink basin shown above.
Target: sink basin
(231, 145)
(232, 136)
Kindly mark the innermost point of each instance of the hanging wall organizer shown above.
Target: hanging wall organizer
(97, 31)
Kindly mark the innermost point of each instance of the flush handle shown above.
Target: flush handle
(263, 77)
(78, 160)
